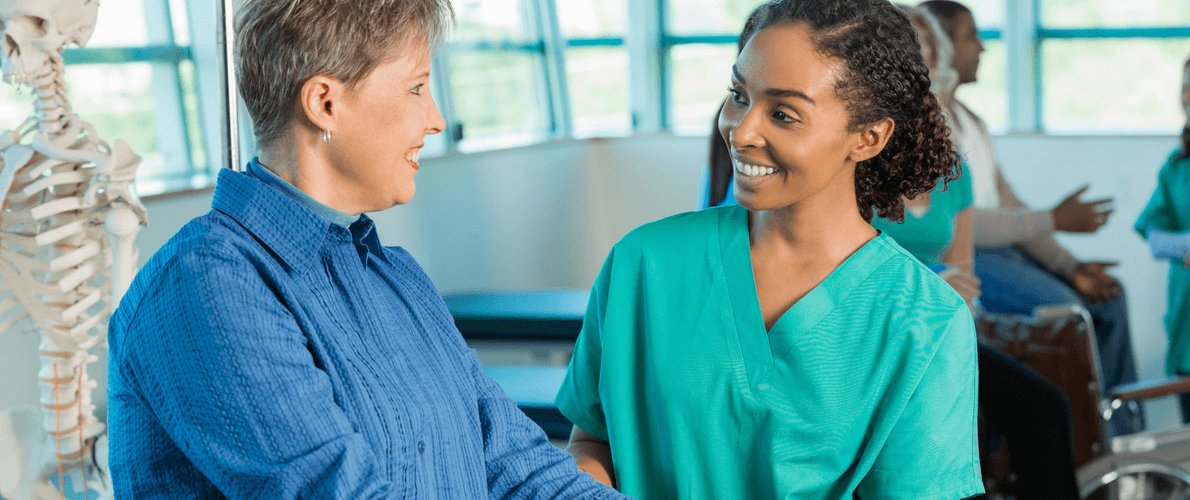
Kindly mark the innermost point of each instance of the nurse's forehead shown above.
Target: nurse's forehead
(783, 57)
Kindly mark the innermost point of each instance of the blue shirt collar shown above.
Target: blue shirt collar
(267, 176)
(288, 228)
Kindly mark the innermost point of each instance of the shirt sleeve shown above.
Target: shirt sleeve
(225, 369)
(579, 399)
(932, 451)
(1013, 222)
(1167, 245)
(1000, 228)
(521, 463)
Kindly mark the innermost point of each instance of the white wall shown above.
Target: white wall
(545, 216)
(540, 216)
(1043, 170)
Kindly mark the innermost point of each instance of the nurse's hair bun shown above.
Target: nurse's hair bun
(884, 77)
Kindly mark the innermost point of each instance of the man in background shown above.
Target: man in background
(1020, 264)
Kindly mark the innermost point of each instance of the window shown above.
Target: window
(700, 47)
(497, 76)
(596, 66)
(135, 81)
(521, 71)
(1109, 66)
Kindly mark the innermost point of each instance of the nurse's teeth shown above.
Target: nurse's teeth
(753, 170)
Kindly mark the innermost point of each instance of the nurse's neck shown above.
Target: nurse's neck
(824, 227)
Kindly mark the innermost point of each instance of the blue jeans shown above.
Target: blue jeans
(1013, 283)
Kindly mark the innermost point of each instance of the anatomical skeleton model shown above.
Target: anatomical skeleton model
(67, 227)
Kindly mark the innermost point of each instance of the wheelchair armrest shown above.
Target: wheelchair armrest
(1151, 389)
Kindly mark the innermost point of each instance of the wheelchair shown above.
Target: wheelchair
(1058, 343)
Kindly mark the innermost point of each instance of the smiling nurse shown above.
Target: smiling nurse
(784, 348)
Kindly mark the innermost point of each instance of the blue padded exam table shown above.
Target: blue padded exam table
(533, 316)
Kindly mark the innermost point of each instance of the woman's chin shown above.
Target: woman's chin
(406, 195)
(754, 202)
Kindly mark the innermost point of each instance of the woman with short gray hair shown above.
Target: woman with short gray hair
(273, 348)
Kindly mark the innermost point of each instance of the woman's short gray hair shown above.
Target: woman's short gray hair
(280, 44)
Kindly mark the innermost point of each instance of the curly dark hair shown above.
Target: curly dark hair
(884, 77)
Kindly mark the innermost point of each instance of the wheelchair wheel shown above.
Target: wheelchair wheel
(1133, 477)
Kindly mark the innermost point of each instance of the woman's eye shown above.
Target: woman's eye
(417, 90)
(736, 96)
(782, 116)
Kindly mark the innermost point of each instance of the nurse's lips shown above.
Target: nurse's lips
(752, 173)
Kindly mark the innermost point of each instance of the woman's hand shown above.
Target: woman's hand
(963, 282)
(1186, 261)
(592, 455)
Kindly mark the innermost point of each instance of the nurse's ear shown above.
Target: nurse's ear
(871, 140)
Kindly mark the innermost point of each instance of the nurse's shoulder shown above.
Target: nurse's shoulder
(685, 234)
(915, 297)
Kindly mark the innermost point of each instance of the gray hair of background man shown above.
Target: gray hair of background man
(280, 44)
(945, 77)
(945, 11)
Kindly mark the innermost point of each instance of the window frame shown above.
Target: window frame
(646, 40)
(172, 121)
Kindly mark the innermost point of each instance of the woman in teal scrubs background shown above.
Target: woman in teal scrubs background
(1165, 223)
(783, 348)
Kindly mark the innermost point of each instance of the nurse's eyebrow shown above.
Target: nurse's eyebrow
(778, 93)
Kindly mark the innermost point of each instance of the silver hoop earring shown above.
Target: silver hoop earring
(326, 136)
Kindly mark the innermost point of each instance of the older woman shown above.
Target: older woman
(273, 348)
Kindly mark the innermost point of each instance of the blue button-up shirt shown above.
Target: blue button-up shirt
(265, 352)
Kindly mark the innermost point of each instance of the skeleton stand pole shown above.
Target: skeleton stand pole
(225, 11)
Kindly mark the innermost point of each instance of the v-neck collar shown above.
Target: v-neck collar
(760, 347)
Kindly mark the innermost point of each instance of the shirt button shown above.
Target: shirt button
(421, 447)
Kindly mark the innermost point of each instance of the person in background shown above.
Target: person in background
(273, 348)
(782, 347)
(1165, 223)
(1019, 263)
(937, 230)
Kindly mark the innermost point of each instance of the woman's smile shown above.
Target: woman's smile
(751, 174)
(412, 156)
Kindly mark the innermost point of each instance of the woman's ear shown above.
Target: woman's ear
(872, 140)
(319, 97)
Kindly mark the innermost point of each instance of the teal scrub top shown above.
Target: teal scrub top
(1169, 210)
(868, 383)
(927, 237)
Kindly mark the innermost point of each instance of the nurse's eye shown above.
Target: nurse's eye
(736, 96)
(784, 117)
(417, 90)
